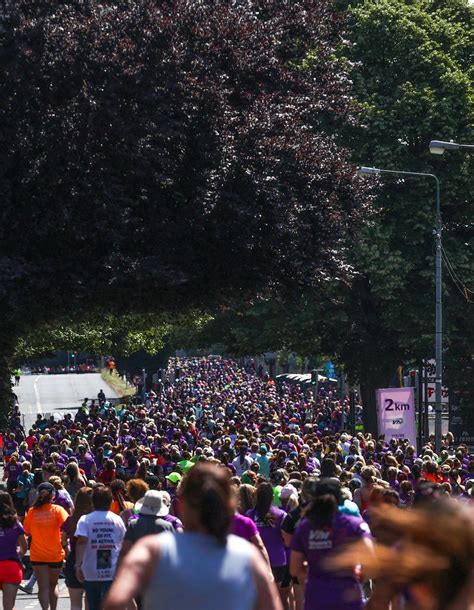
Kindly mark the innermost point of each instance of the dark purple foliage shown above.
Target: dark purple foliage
(167, 154)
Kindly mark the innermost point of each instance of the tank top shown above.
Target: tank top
(195, 572)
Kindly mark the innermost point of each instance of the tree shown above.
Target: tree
(412, 73)
(413, 80)
(109, 334)
(266, 326)
(161, 156)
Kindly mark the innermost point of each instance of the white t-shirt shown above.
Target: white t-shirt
(104, 532)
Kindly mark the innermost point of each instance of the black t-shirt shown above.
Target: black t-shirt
(146, 525)
(291, 521)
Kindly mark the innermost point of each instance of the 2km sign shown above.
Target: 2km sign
(396, 413)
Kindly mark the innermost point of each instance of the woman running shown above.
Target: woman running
(204, 568)
(11, 537)
(43, 523)
(323, 530)
(269, 519)
(83, 506)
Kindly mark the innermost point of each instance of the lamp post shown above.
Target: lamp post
(438, 147)
(364, 171)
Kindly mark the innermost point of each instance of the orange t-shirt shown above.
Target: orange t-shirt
(115, 507)
(43, 524)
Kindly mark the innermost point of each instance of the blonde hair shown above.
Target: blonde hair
(56, 481)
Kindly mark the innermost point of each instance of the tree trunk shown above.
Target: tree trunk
(369, 403)
(368, 387)
(7, 348)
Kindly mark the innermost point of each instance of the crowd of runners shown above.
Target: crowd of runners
(261, 497)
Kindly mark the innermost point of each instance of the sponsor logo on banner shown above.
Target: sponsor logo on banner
(396, 413)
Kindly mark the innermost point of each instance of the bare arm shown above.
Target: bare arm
(258, 542)
(298, 566)
(267, 593)
(134, 573)
(367, 550)
(287, 538)
(81, 542)
(126, 546)
(22, 544)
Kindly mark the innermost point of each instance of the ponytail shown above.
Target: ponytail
(206, 491)
(43, 497)
(118, 490)
(264, 502)
(214, 516)
(322, 509)
(120, 497)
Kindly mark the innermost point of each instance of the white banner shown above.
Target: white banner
(431, 392)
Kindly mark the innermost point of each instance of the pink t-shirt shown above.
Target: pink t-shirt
(243, 526)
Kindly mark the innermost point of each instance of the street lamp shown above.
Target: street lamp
(437, 147)
(364, 171)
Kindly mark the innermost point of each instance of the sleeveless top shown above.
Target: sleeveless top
(195, 572)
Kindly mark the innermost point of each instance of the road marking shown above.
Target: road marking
(38, 402)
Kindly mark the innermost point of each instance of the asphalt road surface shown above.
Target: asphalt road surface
(25, 601)
(48, 394)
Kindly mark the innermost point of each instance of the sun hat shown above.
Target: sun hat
(174, 477)
(152, 504)
(287, 491)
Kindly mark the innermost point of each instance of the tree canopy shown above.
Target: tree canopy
(108, 334)
(163, 155)
(412, 78)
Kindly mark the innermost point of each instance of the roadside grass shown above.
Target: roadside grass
(117, 384)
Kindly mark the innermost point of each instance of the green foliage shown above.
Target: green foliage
(267, 326)
(413, 78)
(121, 335)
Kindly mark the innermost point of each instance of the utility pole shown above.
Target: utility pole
(439, 324)
(435, 147)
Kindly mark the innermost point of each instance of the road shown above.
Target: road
(50, 394)
(24, 601)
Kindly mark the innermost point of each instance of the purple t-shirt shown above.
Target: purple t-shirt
(271, 535)
(62, 498)
(86, 462)
(13, 469)
(326, 589)
(175, 522)
(8, 541)
(10, 447)
(243, 527)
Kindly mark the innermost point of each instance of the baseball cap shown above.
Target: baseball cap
(174, 477)
(152, 504)
(47, 487)
(185, 465)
